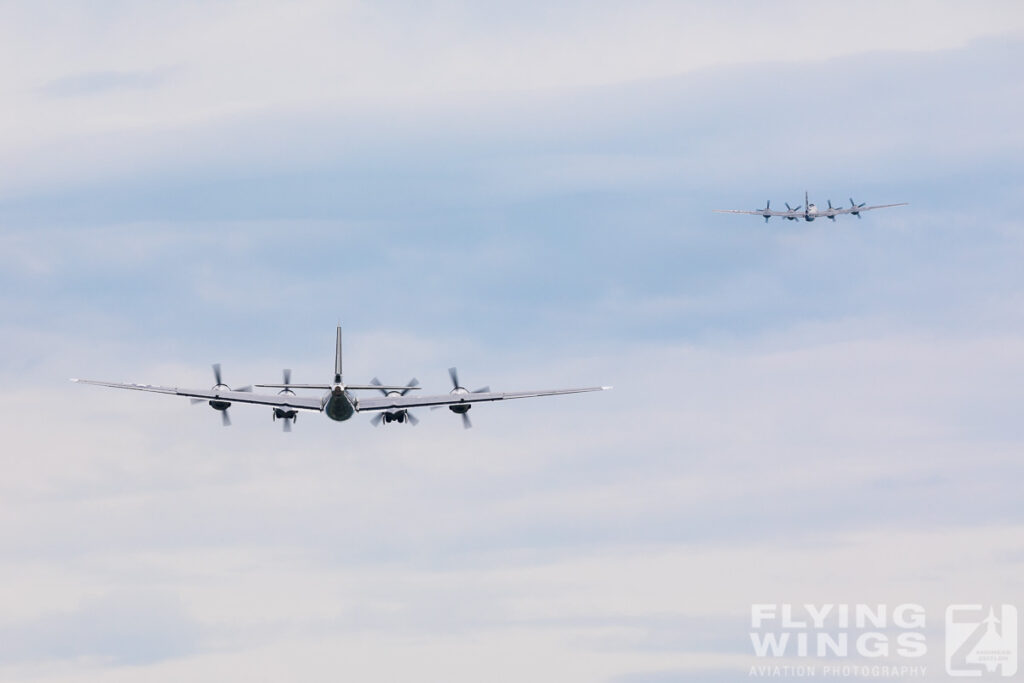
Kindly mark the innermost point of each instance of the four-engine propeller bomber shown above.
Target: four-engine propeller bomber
(810, 211)
(338, 403)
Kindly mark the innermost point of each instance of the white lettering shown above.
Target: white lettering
(839, 645)
(775, 642)
(908, 616)
(818, 616)
(864, 614)
(759, 613)
(911, 645)
(881, 648)
(787, 618)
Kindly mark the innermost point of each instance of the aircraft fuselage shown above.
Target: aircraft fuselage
(339, 404)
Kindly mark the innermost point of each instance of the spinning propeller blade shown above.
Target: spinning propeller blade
(457, 389)
(409, 386)
(218, 404)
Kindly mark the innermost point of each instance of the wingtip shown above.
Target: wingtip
(74, 379)
(607, 388)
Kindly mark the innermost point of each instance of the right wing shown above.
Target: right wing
(391, 403)
(277, 400)
(761, 212)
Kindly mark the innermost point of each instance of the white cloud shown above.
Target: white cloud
(202, 64)
(589, 617)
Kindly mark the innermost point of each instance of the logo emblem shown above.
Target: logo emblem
(981, 641)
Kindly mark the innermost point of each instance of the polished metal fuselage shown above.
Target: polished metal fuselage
(339, 404)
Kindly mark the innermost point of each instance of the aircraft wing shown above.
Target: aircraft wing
(880, 206)
(401, 402)
(839, 211)
(277, 400)
(762, 212)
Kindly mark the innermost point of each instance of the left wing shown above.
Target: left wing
(400, 402)
(867, 208)
(278, 400)
(839, 210)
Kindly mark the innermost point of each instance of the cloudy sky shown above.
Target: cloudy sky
(807, 413)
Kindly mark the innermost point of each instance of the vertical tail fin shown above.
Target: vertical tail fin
(807, 202)
(337, 358)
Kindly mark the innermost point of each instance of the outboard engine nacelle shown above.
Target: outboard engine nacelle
(459, 390)
(288, 415)
(220, 387)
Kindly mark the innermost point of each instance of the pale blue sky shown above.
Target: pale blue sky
(802, 411)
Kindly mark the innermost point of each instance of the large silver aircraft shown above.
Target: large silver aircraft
(810, 211)
(338, 403)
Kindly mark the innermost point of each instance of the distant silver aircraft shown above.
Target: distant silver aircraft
(338, 403)
(810, 211)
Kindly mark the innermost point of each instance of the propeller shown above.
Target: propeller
(854, 205)
(288, 417)
(458, 389)
(831, 208)
(766, 209)
(376, 419)
(220, 382)
(790, 208)
(220, 405)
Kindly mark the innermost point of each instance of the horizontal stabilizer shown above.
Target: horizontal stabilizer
(328, 387)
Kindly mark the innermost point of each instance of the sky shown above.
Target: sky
(802, 413)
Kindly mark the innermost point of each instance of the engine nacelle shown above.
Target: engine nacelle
(459, 409)
(220, 405)
(285, 413)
